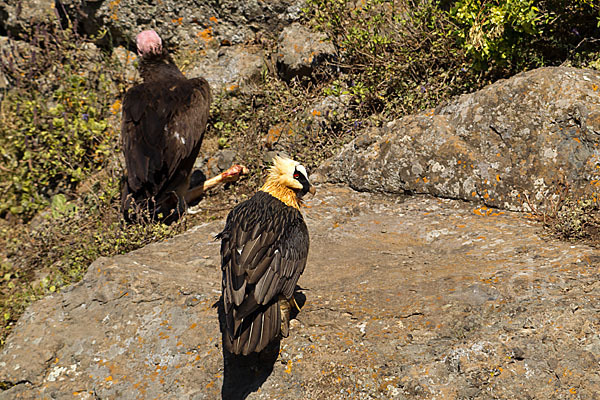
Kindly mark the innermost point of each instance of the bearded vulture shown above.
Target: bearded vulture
(264, 247)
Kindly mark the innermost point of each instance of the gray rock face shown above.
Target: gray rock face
(190, 22)
(405, 298)
(18, 16)
(300, 50)
(516, 138)
(230, 68)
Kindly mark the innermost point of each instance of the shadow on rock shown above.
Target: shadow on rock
(245, 374)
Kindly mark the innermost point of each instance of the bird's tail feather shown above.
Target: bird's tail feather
(257, 330)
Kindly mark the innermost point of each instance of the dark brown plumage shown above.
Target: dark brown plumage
(164, 120)
(264, 248)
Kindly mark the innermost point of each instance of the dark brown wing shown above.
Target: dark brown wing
(162, 129)
(263, 253)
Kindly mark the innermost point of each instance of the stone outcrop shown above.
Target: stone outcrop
(17, 16)
(229, 68)
(520, 137)
(189, 22)
(300, 51)
(404, 298)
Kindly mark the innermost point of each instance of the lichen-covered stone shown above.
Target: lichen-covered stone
(189, 22)
(406, 298)
(229, 68)
(300, 51)
(17, 16)
(517, 139)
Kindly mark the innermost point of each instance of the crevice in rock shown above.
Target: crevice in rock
(5, 385)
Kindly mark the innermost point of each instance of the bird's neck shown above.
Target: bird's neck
(158, 67)
(282, 193)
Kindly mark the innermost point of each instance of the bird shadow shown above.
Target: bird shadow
(246, 374)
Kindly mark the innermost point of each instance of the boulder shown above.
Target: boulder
(229, 68)
(300, 51)
(18, 16)
(514, 143)
(405, 297)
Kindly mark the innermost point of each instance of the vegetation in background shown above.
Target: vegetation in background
(509, 36)
(53, 127)
(59, 165)
(59, 170)
(400, 56)
(397, 57)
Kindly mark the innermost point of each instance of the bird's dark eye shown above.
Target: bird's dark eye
(296, 175)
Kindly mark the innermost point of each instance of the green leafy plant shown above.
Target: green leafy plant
(54, 133)
(397, 57)
(507, 36)
(495, 30)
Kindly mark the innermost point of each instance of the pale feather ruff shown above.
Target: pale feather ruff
(281, 183)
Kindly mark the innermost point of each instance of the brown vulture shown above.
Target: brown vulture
(163, 124)
(264, 247)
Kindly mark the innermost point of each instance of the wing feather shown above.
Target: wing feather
(163, 126)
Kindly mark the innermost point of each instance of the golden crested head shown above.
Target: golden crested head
(288, 181)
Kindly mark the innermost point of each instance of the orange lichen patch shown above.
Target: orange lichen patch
(232, 87)
(288, 369)
(573, 391)
(109, 378)
(474, 194)
(335, 225)
(425, 179)
(162, 335)
(498, 177)
(577, 140)
(210, 384)
(480, 211)
(115, 108)
(177, 20)
(192, 326)
(461, 226)
(316, 113)
(206, 34)
(594, 87)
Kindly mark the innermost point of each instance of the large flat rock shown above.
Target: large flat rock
(405, 298)
(523, 137)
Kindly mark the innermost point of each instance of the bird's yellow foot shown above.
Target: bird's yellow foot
(285, 308)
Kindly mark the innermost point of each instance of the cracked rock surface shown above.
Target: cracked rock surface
(406, 297)
(518, 137)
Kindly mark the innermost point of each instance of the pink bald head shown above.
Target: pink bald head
(148, 42)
